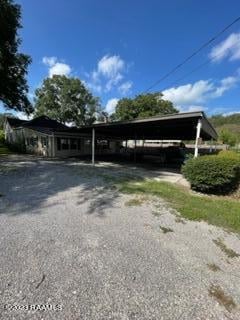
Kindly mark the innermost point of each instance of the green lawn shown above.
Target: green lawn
(4, 149)
(219, 211)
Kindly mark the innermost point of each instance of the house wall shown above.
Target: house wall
(33, 141)
(38, 143)
(85, 147)
(25, 136)
(12, 135)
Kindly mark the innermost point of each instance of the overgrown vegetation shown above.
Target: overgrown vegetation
(216, 174)
(3, 147)
(228, 128)
(219, 211)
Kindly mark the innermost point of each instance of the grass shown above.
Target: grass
(228, 251)
(4, 149)
(166, 230)
(221, 297)
(218, 211)
(134, 202)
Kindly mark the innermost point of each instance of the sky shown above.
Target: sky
(120, 48)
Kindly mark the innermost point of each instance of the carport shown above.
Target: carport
(180, 126)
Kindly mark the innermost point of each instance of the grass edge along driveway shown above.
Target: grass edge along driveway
(218, 211)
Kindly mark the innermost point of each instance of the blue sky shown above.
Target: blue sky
(119, 48)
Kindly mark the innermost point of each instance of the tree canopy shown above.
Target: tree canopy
(228, 127)
(142, 106)
(13, 65)
(66, 100)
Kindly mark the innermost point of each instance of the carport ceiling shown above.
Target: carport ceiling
(181, 126)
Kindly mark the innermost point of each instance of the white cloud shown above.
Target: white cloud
(56, 67)
(23, 116)
(189, 93)
(225, 84)
(111, 105)
(109, 74)
(199, 92)
(192, 108)
(125, 87)
(50, 61)
(228, 48)
(111, 66)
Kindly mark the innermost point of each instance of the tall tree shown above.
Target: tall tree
(66, 100)
(13, 65)
(142, 106)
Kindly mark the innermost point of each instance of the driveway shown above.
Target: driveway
(71, 241)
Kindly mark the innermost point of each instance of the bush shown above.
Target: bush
(229, 155)
(17, 147)
(216, 174)
(2, 136)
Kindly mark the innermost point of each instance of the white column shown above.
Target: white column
(199, 126)
(135, 149)
(93, 146)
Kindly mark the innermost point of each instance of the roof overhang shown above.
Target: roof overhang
(180, 126)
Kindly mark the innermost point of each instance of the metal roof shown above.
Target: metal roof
(171, 127)
(179, 126)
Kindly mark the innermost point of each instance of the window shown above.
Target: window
(44, 142)
(102, 144)
(87, 142)
(32, 141)
(79, 144)
(73, 144)
(62, 144)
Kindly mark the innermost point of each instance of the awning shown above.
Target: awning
(180, 126)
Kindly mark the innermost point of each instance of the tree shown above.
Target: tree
(142, 106)
(3, 116)
(66, 100)
(13, 65)
(227, 137)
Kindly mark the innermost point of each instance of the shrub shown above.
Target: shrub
(2, 136)
(229, 155)
(216, 174)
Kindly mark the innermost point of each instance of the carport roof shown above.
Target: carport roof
(168, 127)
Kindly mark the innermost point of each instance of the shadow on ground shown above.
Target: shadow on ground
(29, 182)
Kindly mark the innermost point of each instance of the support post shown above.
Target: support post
(199, 126)
(211, 146)
(135, 148)
(93, 146)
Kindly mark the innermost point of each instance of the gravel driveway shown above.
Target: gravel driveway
(71, 241)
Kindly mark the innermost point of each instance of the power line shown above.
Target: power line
(206, 62)
(193, 54)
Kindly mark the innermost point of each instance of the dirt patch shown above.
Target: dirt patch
(228, 251)
(221, 297)
(213, 267)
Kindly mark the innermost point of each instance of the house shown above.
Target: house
(50, 138)
(47, 137)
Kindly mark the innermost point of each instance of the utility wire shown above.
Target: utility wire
(193, 54)
(206, 62)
